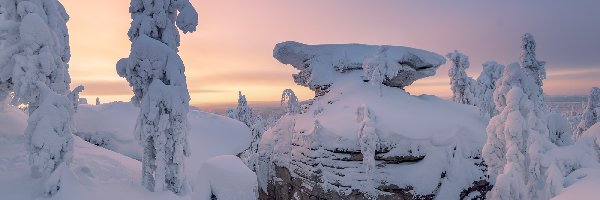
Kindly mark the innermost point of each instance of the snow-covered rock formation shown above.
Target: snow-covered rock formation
(361, 140)
(321, 65)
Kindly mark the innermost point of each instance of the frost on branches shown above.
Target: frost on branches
(156, 74)
(591, 113)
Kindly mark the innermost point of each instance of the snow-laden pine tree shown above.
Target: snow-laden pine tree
(517, 139)
(97, 101)
(464, 88)
(534, 68)
(34, 72)
(242, 112)
(289, 102)
(156, 74)
(492, 71)
(591, 113)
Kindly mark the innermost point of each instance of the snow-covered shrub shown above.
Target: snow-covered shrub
(156, 74)
(591, 113)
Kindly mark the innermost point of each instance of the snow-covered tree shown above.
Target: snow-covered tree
(289, 102)
(522, 149)
(368, 142)
(464, 88)
(492, 71)
(591, 113)
(156, 74)
(49, 135)
(377, 70)
(34, 72)
(534, 68)
(242, 112)
(97, 101)
(517, 139)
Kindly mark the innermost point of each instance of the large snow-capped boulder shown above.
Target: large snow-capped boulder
(363, 141)
(321, 65)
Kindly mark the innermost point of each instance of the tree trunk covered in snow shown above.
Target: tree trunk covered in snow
(156, 74)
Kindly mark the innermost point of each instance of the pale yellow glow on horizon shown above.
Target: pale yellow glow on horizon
(232, 49)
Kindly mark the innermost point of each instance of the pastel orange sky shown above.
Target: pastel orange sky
(232, 49)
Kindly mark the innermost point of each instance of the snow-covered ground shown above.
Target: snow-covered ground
(99, 173)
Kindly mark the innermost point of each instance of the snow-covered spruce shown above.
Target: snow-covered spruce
(156, 74)
(464, 88)
(35, 48)
(351, 142)
(534, 68)
(591, 113)
(49, 135)
(492, 71)
(257, 125)
(478, 93)
(34, 71)
(522, 155)
(289, 102)
(321, 65)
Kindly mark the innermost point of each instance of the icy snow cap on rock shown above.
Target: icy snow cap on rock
(320, 65)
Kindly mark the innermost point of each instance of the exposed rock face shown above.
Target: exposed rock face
(320, 65)
(360, 140)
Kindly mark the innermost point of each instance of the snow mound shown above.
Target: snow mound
(111, 126)
(225, 177)
(321, 65)
(423, 146)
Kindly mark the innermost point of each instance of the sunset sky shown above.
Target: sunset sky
(232, 49)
